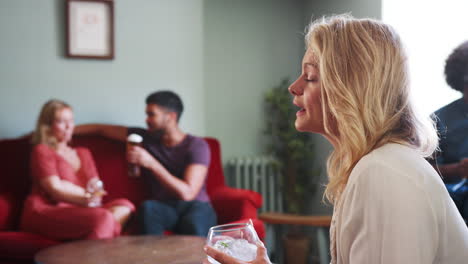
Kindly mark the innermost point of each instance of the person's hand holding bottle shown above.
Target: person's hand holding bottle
(95, 191)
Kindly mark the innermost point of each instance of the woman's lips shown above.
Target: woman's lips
(300, 112)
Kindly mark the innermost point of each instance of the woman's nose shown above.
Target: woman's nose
(295, 89)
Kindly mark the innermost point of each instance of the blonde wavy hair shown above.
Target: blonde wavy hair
(365, 94)
(42, 133)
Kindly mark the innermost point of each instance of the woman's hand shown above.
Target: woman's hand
(66, 191)
(262, 256)
(94, 199)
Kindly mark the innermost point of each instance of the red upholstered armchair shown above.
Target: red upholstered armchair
(231, 205)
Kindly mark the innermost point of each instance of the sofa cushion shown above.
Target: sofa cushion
(215, 171)
(15, 182)
(22, 245)
(8, 211)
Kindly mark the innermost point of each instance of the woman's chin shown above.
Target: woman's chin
(65, 139)
(308, 128)
(299, 127)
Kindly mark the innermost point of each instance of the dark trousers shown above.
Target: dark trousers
(181, 217)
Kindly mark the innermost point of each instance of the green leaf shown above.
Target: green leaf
(224, 244)
(293, 150)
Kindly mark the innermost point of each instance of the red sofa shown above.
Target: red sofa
(231, 205)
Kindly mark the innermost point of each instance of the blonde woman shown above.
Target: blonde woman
(390, 205)
(60, 206)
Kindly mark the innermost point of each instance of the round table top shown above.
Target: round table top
(171, 249)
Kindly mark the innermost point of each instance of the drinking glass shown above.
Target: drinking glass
(96, 188)
(134, 140)
(237, 240)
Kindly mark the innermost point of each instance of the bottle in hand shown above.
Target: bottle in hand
(134, 140)
(95, 188)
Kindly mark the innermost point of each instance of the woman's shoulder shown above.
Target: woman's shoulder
(43, 153)
(400, 173)
(392, 157)
(42, 148)
(395, 163)
(82, 151)
(390, 152)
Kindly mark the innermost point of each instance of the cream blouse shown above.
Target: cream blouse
(395, 209)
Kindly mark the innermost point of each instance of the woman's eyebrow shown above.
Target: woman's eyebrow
(310, 64)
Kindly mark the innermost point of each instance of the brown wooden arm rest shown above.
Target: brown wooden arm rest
(292, 219)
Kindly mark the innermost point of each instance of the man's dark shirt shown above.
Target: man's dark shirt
(452, 125)
(176, 159)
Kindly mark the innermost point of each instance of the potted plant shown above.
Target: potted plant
(293, 150)
(294, 153)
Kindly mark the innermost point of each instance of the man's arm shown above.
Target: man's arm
(185, 189)
(448, 171)
(111, 131)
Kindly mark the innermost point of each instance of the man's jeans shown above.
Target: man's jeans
(181, 217)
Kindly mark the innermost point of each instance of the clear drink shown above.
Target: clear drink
(96, 188)
(236, 240)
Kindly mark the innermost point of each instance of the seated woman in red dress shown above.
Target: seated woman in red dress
(60, 205)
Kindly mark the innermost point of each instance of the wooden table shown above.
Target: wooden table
(322, 222)
(127, 249)
(292, 219)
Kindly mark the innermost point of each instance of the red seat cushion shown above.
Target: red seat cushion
(8, 211)
(22, 245)
(15, 182)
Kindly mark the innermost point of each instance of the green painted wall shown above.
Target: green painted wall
(357, 8)
(159, 45)
(249, 47)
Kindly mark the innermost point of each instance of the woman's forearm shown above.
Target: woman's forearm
(65, 191)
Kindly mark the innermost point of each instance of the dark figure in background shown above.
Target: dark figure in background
(174, 167)
(452, 125)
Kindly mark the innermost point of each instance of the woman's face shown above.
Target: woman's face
(63, 125)
(307, 96)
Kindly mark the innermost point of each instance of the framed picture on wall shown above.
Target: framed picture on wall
(90, 29)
